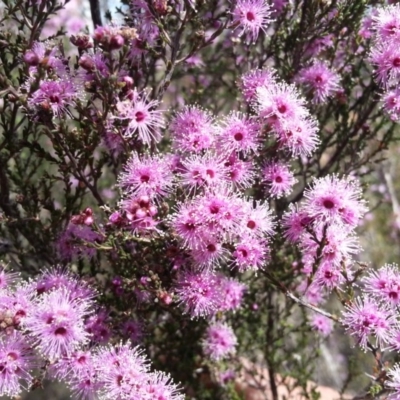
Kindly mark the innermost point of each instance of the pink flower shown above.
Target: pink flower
(219, 341)
(187, 224)
(384, 284)
(299, 136)
(122, 372)
(386, 57)
(197, 292)
(192, 130)
(328, 276)
(320, 80)
(240, 134)
(280, 104)
(56, 323)
(251, 17)
(203, 170)
(250, 254)
(365, 318)
(386, 22)
(391, 103)
(240, 173)
(334, 243)
(394, 382)
(331, 199)
(143, 118)
(210, 254)
(146, 176)
(254, 79)
(321, 324)
(7, 278)
(258, 220)
(54, 96)
(294, 223)
(279, 179)
(231, 293)
(16, 362)
(160, 386)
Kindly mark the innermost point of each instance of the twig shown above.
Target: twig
(299, 301)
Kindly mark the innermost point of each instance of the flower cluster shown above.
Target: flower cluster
(323, 227)
(52, 322)
(385, 56)
(373, 317)
(282, 107)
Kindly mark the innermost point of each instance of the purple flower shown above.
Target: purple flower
(251, 16)
(72, 365)
(54, 96)
(142, 116)
(323, 325)
(386, 57)
(146, 176)
(75, 242)
(98, 328)
(239, 134)
(133, 330)
(331, 199)
(122, 372)
(394, 382)
(16, 362)
(254, 79)
(365, 318)
(384, 284)
(258, 220)
(240, 173)
(197, 292)
(219, 341)
(192, 130)
(250, 253)
(231, 293)
(160, 386)
(56, 324)
(16, 305)
(203, 170)
(78, 372)
(58, 277)
(7, 278)
(299, 136)
(391, 103)
(320, 80)
(386, 22)
(279, 179)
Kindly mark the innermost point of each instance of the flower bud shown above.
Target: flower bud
(87, 63)
(128, 82)
(31, 58)
(83, 42)
(116, 42)
(115, 218)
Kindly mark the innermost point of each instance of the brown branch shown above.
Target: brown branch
(95, 11)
